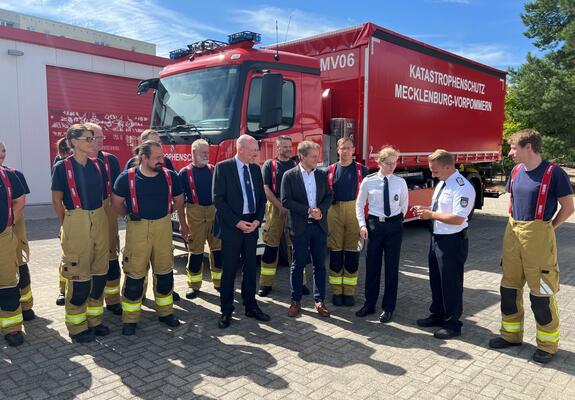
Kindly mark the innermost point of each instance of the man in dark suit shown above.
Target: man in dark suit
(306, 194)
(239, 197)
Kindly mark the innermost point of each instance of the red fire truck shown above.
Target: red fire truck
(366, 82)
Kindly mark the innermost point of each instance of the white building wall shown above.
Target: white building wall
(24, 110)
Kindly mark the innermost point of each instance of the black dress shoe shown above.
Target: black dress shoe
(446, 333)
(101, 330)
(28, 315)
(192, 294)
(348, 301)
(115, 308)
(364, 311)
(500, 343)
(225, 321)
(337, 300)
(129, 329)
(305, 290)
(84, 337)
(385, 317)
(14, 339)
(60, 300)
(175, 296)
(542, 357)
(264, 291)
(429, 322)
(169, 320)
(258, 314)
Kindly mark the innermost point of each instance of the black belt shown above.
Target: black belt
(462, 233)
(393, 218)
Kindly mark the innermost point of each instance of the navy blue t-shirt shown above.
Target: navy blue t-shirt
(17, 191)
(203, 182)
(345, 181)
(526, 191)
(132, 162)
(90, 184)
(22, 179)
(152, 193)
(114, 165)
(282, 167)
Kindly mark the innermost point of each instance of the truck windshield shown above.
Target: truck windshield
(200, 99)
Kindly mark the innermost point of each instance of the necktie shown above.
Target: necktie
(436, 200)
(386, 207)
(249, 191)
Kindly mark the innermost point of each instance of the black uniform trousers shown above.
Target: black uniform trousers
(447, 256)
(238, 250)
(383, 244)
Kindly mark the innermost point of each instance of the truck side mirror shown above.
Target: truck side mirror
(271, 100)
(147, 84)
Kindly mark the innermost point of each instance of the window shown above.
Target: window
(7, 24)
(254, 103)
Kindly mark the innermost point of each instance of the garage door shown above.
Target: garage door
(110, 101)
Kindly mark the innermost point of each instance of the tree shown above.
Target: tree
(541, 92)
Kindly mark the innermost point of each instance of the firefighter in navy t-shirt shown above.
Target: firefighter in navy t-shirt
(148, 193)
(529, 245)
(12, 199)
(275, 214)
(78, 189)
(23, 250)
(343, 240)
(112, 169)
(196, 180)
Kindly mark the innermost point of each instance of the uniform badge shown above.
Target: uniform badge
(396, 197)
(464, 202)
(460, 181)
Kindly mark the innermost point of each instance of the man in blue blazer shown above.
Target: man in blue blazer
(239, 197)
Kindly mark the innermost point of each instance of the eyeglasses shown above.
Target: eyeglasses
(88, 139)
(99, 137)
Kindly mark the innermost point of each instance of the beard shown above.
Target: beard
(201, 161)
(158, 167)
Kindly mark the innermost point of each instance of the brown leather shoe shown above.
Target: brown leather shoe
(294, 309)
(322, 309)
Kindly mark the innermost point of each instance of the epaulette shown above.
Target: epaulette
(372, 174)
(460, 181)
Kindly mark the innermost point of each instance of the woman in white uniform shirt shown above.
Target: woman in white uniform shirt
(387, 199)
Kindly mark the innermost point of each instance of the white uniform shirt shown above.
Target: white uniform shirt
(371, 190)
(240, 166)
(310, 186)
(458, 197)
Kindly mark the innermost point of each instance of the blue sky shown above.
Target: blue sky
(489, 31)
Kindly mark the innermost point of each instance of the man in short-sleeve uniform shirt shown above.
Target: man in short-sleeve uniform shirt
(11, 206)
(148, 194)
(529, 245)
(453, 201)
(196, 180)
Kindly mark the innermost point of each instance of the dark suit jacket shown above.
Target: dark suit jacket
(228, 197)
(294, 198)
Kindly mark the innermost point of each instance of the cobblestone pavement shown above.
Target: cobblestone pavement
(342, 357)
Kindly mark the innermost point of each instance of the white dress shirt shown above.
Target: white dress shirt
(458, 197)
(310, 187)
(371, 191)
(240, 166)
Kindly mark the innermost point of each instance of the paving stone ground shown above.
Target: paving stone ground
(342, 357)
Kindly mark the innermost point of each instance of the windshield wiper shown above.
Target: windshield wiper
(189, 128)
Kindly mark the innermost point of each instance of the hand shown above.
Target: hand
(253, 226)
(283, 211)
(184, 230)
(315, 213)
(363, 232)
(243, 226)
(424, 214)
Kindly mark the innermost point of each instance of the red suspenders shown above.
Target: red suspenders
(72, 181)
(108, 172)
(134, 197)
(275, 173)
(358, 169)
(543, 190)
(8, 186)
(192, 183)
